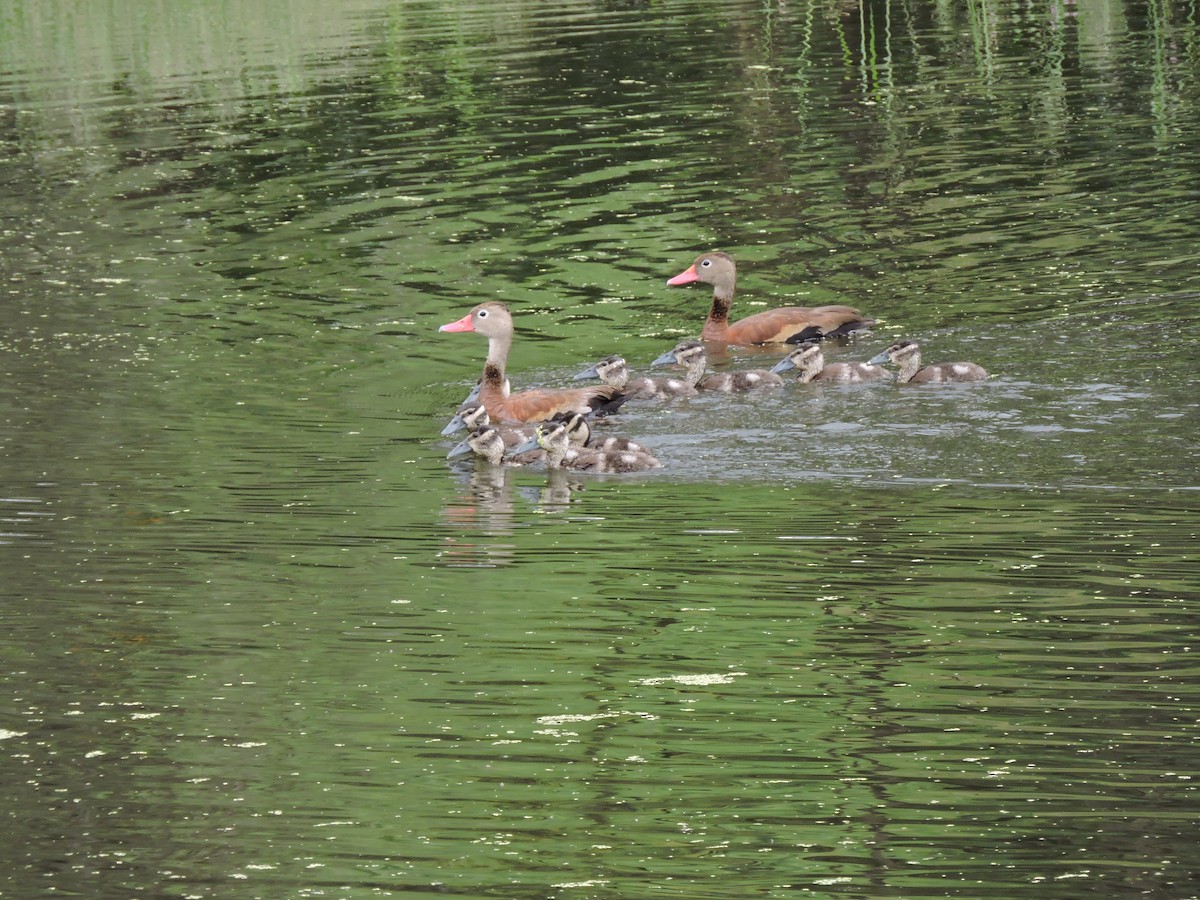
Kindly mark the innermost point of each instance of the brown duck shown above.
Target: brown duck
(771, 326)
(494, 322)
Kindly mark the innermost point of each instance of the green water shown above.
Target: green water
(262, 640)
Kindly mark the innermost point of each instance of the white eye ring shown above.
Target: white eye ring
(706, 263)
(482, 314)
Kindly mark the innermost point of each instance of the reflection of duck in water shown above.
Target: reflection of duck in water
(494, 322)
(907, 355)
(810, 362)
(769, 326)
(554, 438)
(692, 356)
(614, 371)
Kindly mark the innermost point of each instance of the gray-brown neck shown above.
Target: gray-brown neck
(696, 362)
(491, 447)
(498, 347)
(556, 448)
(616, 375)
(909, 365)
(811, 365)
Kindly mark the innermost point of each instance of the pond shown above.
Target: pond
(262, 639)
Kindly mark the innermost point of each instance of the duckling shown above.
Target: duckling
(614, 371)
(474, 416)
(580, 432)
(554, 438)
(907, 355)
(692, 355)
(809, 359)
(488, 443)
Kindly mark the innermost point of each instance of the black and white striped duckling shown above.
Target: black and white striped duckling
(810, 361)
(488, 443)
(907, 355)
(473, 416)
(555, 439)
(579, 429)
(614, 371)
(692, 356)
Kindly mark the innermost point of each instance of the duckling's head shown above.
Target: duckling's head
(579, 430)
(486, 442)
(471, 416)
(897, 353)
(609, 369)
(806, 356)
(552, 435)
(475, 417)
(684, 353)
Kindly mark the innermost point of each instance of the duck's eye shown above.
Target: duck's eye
(482, 314)
(706, 263)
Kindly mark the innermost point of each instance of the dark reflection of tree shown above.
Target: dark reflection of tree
(866, 641)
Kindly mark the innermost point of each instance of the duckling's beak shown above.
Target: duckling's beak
(455, 424)
(462, 448)
(474, 395)
(878, 359)
(667, 359)
(588, 374)
(531, 444)
(783, 365)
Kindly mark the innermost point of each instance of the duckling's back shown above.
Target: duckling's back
(957, 371)
(740, 382)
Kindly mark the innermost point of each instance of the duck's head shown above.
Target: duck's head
(715, 268)
(491, 319)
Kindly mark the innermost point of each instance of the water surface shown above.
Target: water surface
(262, 640)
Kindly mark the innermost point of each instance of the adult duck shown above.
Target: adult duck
(772, 325)
(614, 371)
(693, 357)
(554, 438)
(907, 356)
(810, 361)
(494, 322)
